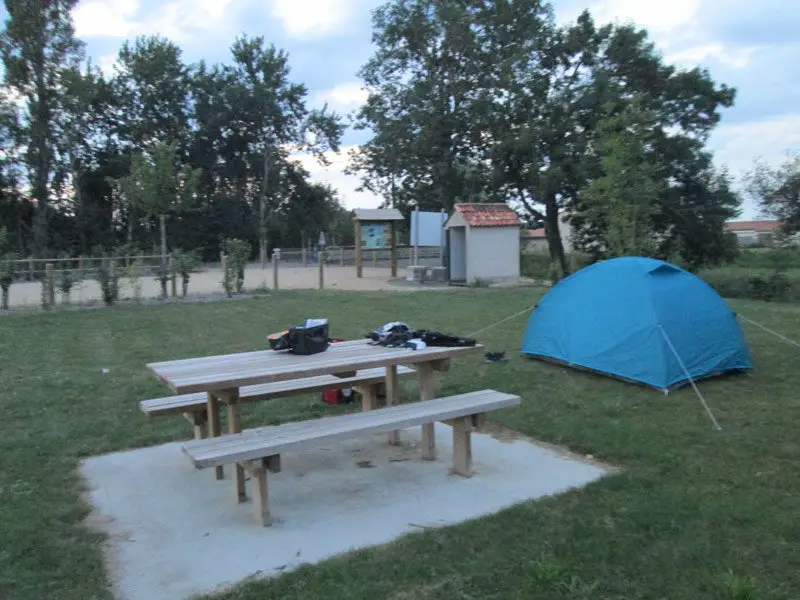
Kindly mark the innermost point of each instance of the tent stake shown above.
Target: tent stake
(694, 385)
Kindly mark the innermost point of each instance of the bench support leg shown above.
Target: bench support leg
(462, 446)
(427, 391)
(214, 427)
(261, 494)
(199, 420)
(369, 397)
(273, 463)
(231, 398)
(392, 398)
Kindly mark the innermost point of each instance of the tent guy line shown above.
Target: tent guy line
(768, 330)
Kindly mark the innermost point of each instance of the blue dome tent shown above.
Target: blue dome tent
(638, 319)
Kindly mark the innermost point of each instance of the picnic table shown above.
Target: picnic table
(221, 378)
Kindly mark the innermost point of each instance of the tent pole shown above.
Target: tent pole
(694, 385)
(775, 333)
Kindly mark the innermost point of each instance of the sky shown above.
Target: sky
(749, 45)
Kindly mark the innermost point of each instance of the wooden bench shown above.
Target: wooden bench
(195, 406)
(258, 450)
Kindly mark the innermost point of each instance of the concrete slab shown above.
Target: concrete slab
(175, 531)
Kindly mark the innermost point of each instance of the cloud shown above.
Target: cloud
(335, 176)
(344, 97)
(181, 21)
(313, 18)
(737, 146)
(735, 58)
(104, 18)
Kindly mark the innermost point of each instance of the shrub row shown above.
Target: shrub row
(755, 284)
(537, 265)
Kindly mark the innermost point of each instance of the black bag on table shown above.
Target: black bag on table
(309, 340)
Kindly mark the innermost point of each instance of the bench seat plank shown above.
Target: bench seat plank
(198, 401)
(265, 441)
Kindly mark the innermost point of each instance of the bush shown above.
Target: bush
(754, 284)
(238, 253)
(537, 265)
(186, 263)
(108, 279)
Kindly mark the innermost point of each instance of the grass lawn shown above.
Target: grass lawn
(695, 515)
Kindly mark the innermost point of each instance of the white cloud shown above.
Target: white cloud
(310, 18)
(179, 20)
(767, 139)
(738, 145)
(735, 58)
(657, 17)
(100, 18)
(106, 63)
(344, 97)
(335, 176)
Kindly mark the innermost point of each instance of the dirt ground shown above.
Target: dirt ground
(29, 294)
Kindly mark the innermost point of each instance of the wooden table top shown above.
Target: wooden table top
(213, 373)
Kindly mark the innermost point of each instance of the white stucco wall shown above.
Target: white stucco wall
(458, 253)
(492, 253)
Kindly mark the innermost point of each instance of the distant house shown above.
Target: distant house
(535, 240)
(753, 233)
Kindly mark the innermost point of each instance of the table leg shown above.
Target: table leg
(232, 402)
(392, 398)
(427, 391)
(214, 427)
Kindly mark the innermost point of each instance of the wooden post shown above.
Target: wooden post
(368, 397)
(442, 240)
(80, 263)
(214, 427)
(223, 261)
(261, 493)
(427, 391)
(374, 259)
(231, 399)
(199, 421)
(462, 446)
(392, 398)
(173, 276)
(31, 268)
(321, 261)
(276, 261)
(393, 236)
(359, 263)
(51, 285)
(305, 255)
(341, 257)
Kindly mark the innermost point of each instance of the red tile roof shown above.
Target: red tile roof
(758, 226)
(488, 215)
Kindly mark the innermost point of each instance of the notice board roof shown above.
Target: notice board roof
(377, 214)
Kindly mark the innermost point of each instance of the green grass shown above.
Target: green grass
(695, 514)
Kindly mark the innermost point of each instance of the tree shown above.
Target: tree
(7, 268)
(38, 43)
(270, 115)
(422, 82)
(777, 190)
(624, 197)
(158, 185)
(490, 99)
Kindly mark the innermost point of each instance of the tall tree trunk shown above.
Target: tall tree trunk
(40, 130)
(262, 210)
(162, 220)
(553, 233)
